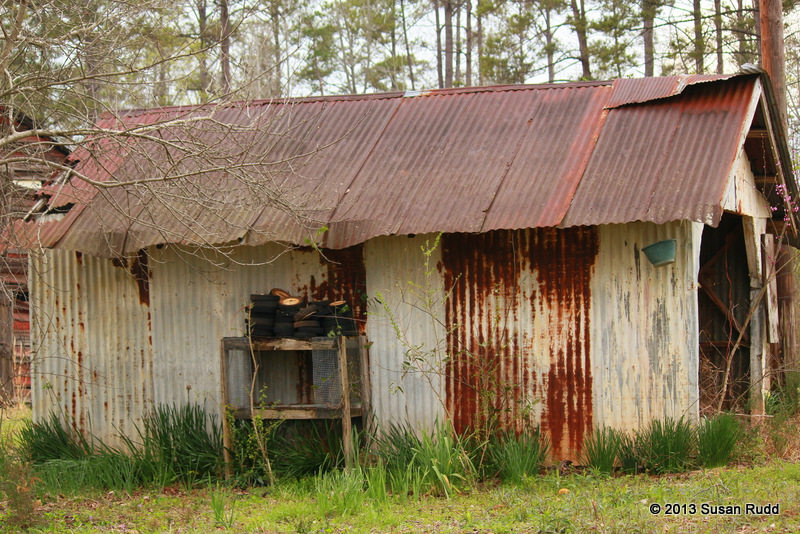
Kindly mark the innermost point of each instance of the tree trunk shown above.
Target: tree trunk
(202, 28)
(699, 43)
(550, 46)
(225, 47)
(718, 34)
(479, 22)
(580, 25)
(468, 59)
(772, 53)
(448, 43)
(275, 18)
(439, 62)
(457, 56)
(648, 16)
(408, 47)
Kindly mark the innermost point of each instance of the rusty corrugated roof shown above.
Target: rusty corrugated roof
(457, 160)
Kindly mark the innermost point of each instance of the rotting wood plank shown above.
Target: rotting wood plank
(297, 411)
(347, 423)
(226, 431)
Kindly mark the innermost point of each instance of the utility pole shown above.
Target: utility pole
(773, 59)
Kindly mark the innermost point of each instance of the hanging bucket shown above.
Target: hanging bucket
(661, 252)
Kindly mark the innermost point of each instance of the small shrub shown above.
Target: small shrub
(436, 461)
(397, 446)
(516, 456)
(441, 457)
(600, 449)
(717, 438)
(627, 453)
(18, 485)
(376, 479)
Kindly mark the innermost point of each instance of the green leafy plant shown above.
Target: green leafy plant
(600, 449)
(376, 480)
(517, 456)
(180, 442)
(307, 447)
(717, 438)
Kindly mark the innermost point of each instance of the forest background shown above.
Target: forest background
(66, 61)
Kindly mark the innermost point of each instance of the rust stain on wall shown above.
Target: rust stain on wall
(345, 280)
(142, 275)
(563, 262)
(518, 319)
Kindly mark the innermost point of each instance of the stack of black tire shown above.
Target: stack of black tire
(325, 318)
(261, 318)
(284, 316)
(308, 320)
(281, 315)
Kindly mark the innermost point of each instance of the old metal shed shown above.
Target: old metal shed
(491, 240)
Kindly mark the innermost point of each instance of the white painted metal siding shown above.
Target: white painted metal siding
(644, 341)
(92, 359)
(414, 394)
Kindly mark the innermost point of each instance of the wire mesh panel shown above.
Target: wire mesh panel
(327, 383)
(239, 373)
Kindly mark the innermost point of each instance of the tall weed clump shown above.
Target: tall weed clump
(517, 456)
(49, 439)
(179, 443)
(717, 438)
(601, 448)
(663, 446)
(426, 462)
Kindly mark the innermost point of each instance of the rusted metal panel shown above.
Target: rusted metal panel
(521, 301)
(408, 339)
(639, 90)
(537, 188)
(507, 157)
(644, 326)
(668, 160)
(91, 359)
(109, 348)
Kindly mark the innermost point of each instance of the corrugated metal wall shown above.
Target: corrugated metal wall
(564, 328)
(408, 342)
(107, 353)
(521, 300)
(196, 305)
(644, 334)
(92, 360)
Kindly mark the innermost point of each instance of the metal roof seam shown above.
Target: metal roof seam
(334, 214)
(509, 164)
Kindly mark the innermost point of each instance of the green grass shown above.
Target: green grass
(547, 503)
(436, 490)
